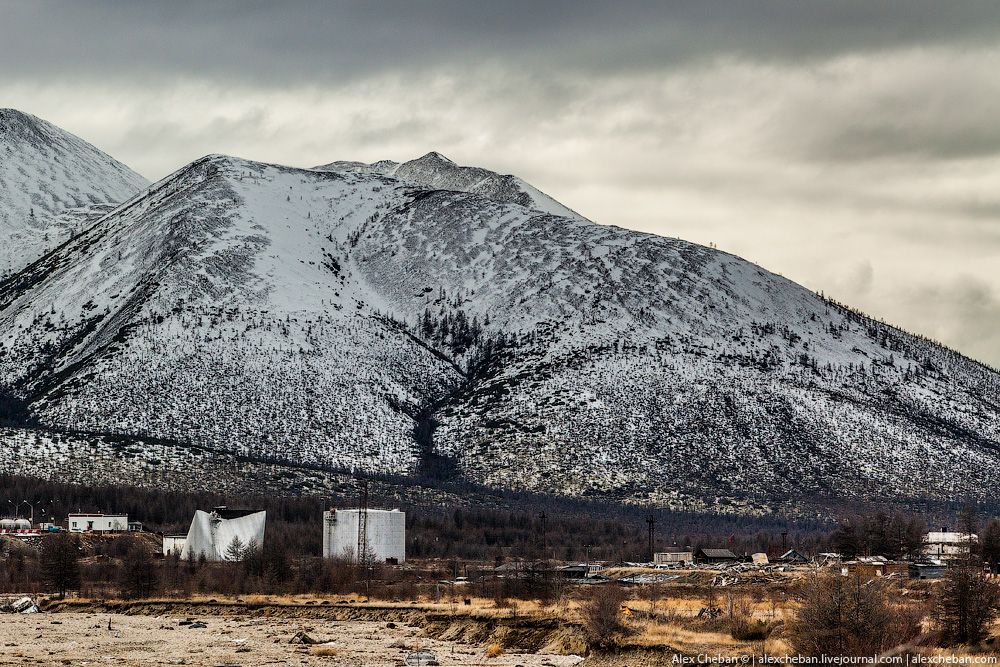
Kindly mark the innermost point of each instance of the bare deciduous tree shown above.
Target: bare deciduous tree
(603, 619)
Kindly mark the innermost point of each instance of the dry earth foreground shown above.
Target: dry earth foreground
(76, 638)
(670, 628)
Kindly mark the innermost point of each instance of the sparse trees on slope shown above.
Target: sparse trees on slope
(967, 604)
(847, 616)
(139, 572)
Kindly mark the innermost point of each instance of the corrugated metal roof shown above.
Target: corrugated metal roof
(717, 553)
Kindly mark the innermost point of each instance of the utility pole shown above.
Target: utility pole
(651, 523)
(363, 533)
(542, 516)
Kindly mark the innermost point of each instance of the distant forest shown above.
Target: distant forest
(515, 526)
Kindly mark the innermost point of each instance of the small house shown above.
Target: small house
(874, 566)
(927, 570)
(173, 544)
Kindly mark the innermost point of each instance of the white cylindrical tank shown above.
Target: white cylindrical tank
(7, 524)
(386, 534)
(22, 524)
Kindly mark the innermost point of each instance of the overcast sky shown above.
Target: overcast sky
(851, 146)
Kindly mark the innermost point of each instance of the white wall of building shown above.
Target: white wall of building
(386, 534)
(79, 523)
(173, 544)
(669, 557)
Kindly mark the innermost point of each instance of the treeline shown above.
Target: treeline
(901, 536)
(499, 525)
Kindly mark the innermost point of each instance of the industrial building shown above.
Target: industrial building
(946, 545)
(97, 523)
(383, 538)
(213, 533)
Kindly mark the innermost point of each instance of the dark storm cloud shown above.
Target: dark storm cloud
(287, 42)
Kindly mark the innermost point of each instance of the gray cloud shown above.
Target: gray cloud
(316, 40)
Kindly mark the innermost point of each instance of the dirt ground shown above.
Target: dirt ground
(229, 641)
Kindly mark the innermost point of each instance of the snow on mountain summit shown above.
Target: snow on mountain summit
(436, 171)
(51, 184)
(381, 318)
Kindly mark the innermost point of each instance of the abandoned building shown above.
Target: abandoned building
(715, 556)
(674, 555)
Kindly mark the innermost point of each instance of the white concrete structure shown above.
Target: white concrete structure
(174, 544)
(386, 534)
(212, 533)
(98, 523)
(945, 545)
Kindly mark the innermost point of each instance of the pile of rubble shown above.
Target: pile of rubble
(20, 606)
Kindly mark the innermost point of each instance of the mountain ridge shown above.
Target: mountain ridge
(356, 321)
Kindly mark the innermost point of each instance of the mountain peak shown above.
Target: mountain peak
(15, 123)
(13, 113)
(50, 182)
(434, 156)
(434, 170)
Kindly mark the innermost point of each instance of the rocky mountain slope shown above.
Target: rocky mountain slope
(350, 319)
(52, 184)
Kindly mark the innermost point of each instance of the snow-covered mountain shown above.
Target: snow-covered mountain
(364, 318)
(439, 173)
(52, 184)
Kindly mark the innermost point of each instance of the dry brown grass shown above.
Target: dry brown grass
(494, 651)
(672, 621)
(325, 651)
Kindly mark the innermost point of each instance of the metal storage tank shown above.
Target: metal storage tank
(7, 524)
(385, 535)
(22, 524)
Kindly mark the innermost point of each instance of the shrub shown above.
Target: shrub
(603, 620)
